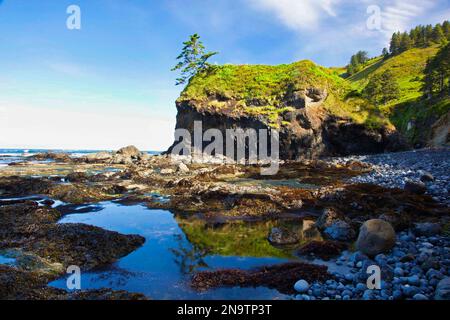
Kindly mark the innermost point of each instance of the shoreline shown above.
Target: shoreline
(227, 193)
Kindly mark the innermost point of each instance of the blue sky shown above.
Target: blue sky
(109, 84)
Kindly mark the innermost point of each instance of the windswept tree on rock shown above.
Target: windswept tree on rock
(192, 60)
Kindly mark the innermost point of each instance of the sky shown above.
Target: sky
(109, 83)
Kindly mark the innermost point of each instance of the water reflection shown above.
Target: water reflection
(176, 247)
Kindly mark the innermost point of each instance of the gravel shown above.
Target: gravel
(412, 280)
(393, 170)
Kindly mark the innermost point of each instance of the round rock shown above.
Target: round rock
(301, 286)
(376, 236)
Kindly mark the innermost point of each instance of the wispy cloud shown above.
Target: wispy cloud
(399, 15)
(298, 14)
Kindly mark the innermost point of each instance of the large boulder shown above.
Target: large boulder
(98, 157)
(340, 231)
(130, 152)
(376, 236)
(443, 290)
(416, 187)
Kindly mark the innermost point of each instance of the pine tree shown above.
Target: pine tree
(405, 42)
(428, 35)
(352, 68)
(437, 73)
(382, 88)
(385, 53)
(395, 43)
(414, 35)
(192, 59)
(438, 35)
(446, 29)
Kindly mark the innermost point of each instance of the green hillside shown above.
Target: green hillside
(408, 69)
(260, 90)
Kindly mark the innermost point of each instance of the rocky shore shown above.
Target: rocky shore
(389, 210)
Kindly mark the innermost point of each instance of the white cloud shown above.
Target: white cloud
(298, 14)
(400, 15)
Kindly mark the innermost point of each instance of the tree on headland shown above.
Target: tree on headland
(192, 60)
(420, 37)
(437, 73)
(357, 61)
(395, 43)
(405, 42)
(438, 35)
(382, 88)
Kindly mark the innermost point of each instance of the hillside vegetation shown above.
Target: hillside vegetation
(406, 87)
(410, 112)
(261, 90)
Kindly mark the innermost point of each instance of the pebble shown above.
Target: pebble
(301, 286)
(420, 296)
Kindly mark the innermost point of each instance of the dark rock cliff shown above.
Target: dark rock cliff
(306, 129)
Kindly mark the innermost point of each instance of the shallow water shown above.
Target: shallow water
(177, 247)
(7, 260)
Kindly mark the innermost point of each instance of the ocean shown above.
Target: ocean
(8, 156)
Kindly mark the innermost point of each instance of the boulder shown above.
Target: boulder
(427, 177)
(130, 151)
(282, 236)
(328, 217)
(416, 187)
(376, 236)
(340, 231)
(443, 290)
(98, 157)
(121, 159)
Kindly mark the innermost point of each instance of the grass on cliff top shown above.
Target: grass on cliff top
(270, 84)
(260, 82)
(259, 89)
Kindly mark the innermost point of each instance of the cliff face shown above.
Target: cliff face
(307, 132)
(305, 103)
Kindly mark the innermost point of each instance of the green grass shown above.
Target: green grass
(260, 89)
(407, 67)
(259, 82)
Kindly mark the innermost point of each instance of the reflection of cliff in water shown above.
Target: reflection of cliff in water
(242, 238)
